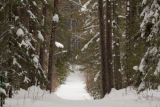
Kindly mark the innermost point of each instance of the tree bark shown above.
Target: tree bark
(102, 44)
(109, 72)
(51, 62)
(127, 42)
(116, 57)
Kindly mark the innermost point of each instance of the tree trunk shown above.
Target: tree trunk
(127, 47)
(51, 62)
(102, 44)
(116, 57)
(42, 47)
(109, 72)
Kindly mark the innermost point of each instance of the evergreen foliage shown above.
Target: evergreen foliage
(150, 34)
(20, 23)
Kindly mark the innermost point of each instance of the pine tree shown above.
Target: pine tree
(149, 67)
(17, 52)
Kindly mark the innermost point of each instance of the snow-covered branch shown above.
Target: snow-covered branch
(79, 4)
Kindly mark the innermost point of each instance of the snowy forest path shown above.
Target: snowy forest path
(74, 87)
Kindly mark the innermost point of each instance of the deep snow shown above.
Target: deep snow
(74, 87)
(73, 94)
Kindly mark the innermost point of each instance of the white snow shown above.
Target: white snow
(36, 60)
(144, 2)
(55, 18)
(88, 43)
(157, 68)
(35, 97)
(32, 16)
(142, 64)
(73, 94)
(74, 87)
(20, 32)
(40, 36)
(59, 45)
(141, 86)
(45, 1)
(135, 68)
(27, 43)
(2, 91)
(84, 7)
(26, 79)
(16, 63)
(96, 76)
(35, 4)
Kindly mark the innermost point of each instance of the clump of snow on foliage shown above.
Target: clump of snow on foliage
(151, 16)
(2, 91)
(16, 63)
(59, 45)
(32, 16)
(27, 43)
(135, 68)
(36, 61)
(144, 2)
(141, 86)
(96, 76)
(45, 1)
(40, 36)
(55, 18)
(91, 40)
(20, 32)
(26, 79)
(142, 65)
(157, 69)
(35, 4)
(84, 7)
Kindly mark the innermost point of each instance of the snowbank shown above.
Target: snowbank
(35, 97)
(73, 94)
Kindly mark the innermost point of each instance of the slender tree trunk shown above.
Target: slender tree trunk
(116, 57)
(127, 47)
(51, 62)
(42, 47)
(102, 44)
(109, 71)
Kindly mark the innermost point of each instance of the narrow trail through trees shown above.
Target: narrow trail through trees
(74, 87)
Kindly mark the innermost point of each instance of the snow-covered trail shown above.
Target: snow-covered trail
(74, 87)
(73, 94)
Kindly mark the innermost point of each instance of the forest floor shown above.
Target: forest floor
(73, 94)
